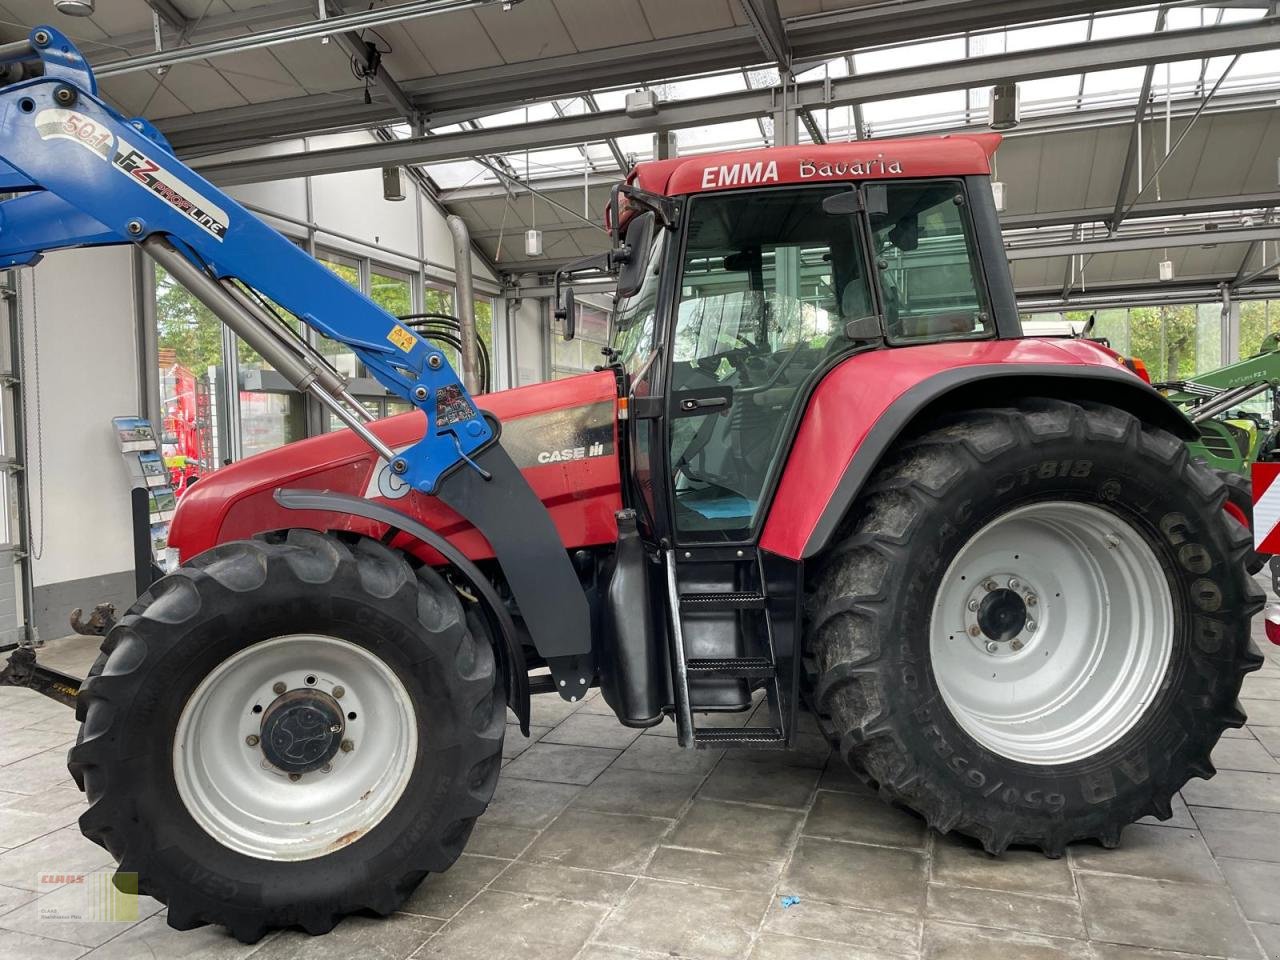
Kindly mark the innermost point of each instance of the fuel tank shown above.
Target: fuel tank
(562, 435)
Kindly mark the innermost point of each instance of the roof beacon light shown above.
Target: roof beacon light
(75, 8)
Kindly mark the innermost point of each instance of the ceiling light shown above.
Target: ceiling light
(1166, 270)
(75, 8)
(533, 243)
(392, 189)
(997, 193)
(1004, 106)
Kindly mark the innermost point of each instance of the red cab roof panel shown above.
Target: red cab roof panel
(952, 155)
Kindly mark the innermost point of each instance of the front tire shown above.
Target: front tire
(288, 730)
(1113, 698)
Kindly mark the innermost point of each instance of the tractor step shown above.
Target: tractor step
(741, 667)
(722, 601)
(739, 736)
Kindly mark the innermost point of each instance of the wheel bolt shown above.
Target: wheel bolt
(336, 728)
(1032, 600)
(251, 740)
(992, 646)
(989, 585)
(1031, 625)
(295, 777)
(1016, 645)
(972, 605)
(1013, 583)
(278, 687)
(326, 768)
(974, 630)
(347, 746)
(1113, 541)
(339, 692)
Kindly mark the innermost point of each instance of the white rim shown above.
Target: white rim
(243, 801)
(1051, 632)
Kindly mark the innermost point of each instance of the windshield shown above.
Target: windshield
(768, 282)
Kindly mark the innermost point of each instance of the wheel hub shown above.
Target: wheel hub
(302, 730)
(1002, 614)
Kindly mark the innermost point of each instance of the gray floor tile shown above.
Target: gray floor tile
(1046, 916)
(960, 861)
(1268, 935)
(592, 730)
(499, 840)
(773, 946)
(664, 755)
(1269, 737)
(734, 828)
(1237, 733)
(704, 924)
(866, 819)
(951, 941)
(1123, 951)
(836, 775)
(22, 946)
(599, 841)
(509, 926)
(1262, 713)
(442, 895)
(1236, 790)
(560, 763)
(527, 803)
(564, 883)
(39, 772)
(18, 827)
(1244, 755)
(1233, 833)
(1164, 915)
(516, 743)
(807, 750)
(64, 914)
(1181, 815)
(383, 938)
(714, 869)
(548, 709)
(63, 851)
(639, 792)
(824, 870)
(1260, 688)
(1157, 853)
(881, 934)
(750, 781)
(154, 939)
(1254, 884)
(20, 744)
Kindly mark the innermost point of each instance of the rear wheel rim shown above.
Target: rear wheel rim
(1051, 632)
(235, 793)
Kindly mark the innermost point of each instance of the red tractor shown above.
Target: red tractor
(821, 467)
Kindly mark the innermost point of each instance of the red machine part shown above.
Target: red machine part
(853, 399)
(563, 435)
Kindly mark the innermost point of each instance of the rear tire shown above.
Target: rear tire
(170, 760)
(991, 768)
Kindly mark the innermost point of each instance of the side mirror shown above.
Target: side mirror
(567, 313)
(633, 263)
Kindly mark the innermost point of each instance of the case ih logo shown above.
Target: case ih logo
(133, 162)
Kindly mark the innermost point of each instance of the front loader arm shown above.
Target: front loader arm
(83, 175)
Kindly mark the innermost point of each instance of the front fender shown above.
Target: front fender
(863, 405)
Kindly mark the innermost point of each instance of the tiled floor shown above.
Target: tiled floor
(606, 844)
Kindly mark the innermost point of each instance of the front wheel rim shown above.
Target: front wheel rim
(232, 789)
(1051, 632)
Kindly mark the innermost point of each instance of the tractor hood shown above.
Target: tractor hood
(561, 434)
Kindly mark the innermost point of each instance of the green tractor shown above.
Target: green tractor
(1236, 409)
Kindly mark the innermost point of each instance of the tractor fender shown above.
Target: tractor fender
(852, 422)
(506, 639)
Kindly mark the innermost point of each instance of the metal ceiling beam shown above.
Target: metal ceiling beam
(354, 45)
(619, 157)
(891, 84)
(328, 27)
(1135, 133)
(170, 14)
(472, 93)
(1151, 241)
(771, 33)
(1153, 208)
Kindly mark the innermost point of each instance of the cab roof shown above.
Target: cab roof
(949, 155)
